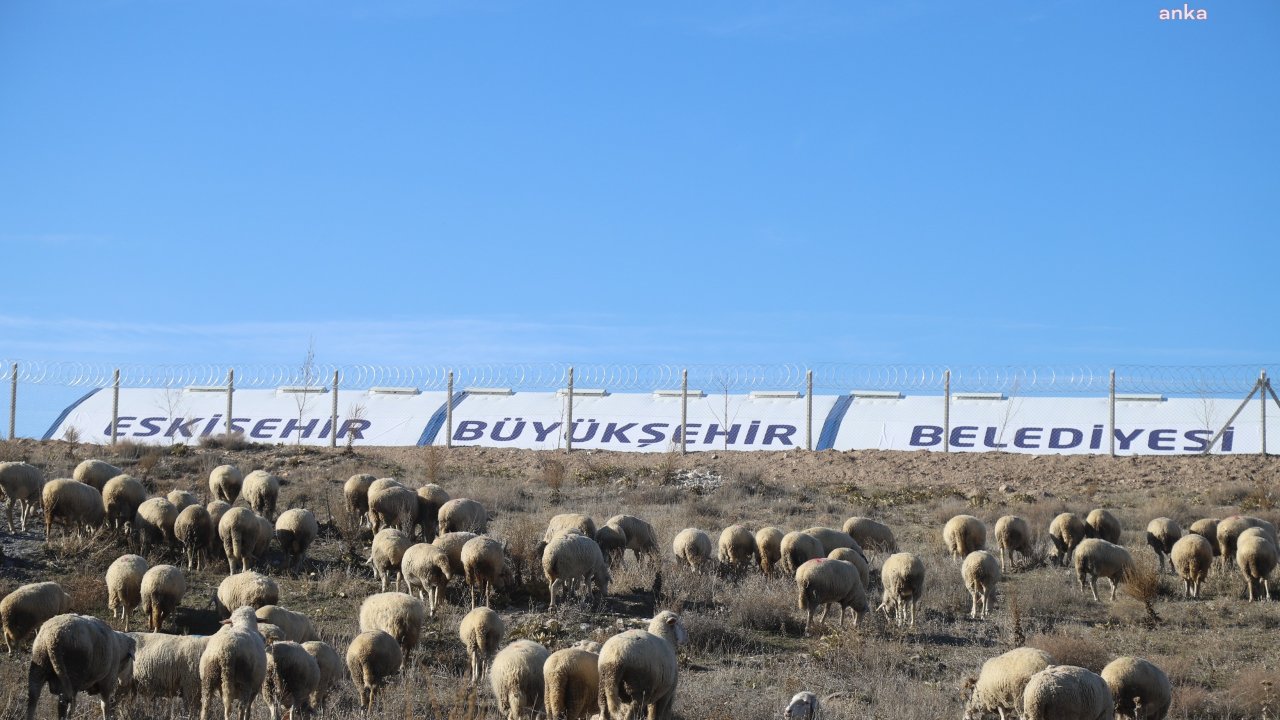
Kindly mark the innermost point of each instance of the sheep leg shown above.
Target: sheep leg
(1093, 585)
(1113, 588)
(973, 604)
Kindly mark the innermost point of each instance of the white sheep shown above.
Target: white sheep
(430, 498)
(95, 473)
(963, 534)
(292, 678)
(295, 626)
(238, 531)
(372, 657)
(571, 680)
(796, 549)
(262, 543)
(737, 547)
(462, 515)
(692, 546)
(640, 536)
(769, 547)
(425, 568)
(1140, 689)
(1067, 692)
(124, 586)
(1192, 557)
(1097, 558)
(162, 589)
(1013, 534)
(804, 705)
(1229, 530)
(451, 543)
(902, 577)
(78, 653)
(246, 588)
(75, 505)
(638, 670)
(1103, 525)
(217, 509)
(822, 581)
(194, 530)
(871, 535)
(121, 496)
(999, 686)
(832, 538)
(569, 522)
(233, 666)
(21, 484)
(397, 614)
(516, 679)
(612, 542)
(225, 482)
(1207, 528)
(261, 489)
(1066, 532)
(296, 529)
(26, 608)
(356, 492)
(392, 506)
(1256, 558)
(857, 559)
(388, 548)
(1162, 533)
(485, 567)
(572, 560)
(182, 498)
(481, 632)
(154, 522)
(981, 574)
(331, 667)
(168, 666)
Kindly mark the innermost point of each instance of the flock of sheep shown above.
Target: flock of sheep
(426, 539)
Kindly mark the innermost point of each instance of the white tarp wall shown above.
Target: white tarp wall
(642, 422)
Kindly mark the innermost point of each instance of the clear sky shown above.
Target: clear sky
(865, 181)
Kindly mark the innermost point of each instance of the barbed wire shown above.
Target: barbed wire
(832, 378)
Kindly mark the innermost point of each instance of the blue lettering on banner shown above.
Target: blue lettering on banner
(1067, 438)
(152, 424)
(1126, 440)
(1027, 437)
(1201, 439)
(470, 430)
(652, 434)
(963, 436)
(926, 435)
(1162, 440)
(1057, 441)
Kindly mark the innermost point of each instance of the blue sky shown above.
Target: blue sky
(422, 182)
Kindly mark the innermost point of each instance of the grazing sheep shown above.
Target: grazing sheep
(168, 666)
(124, 586)
(121, 497)
(430, 498)
(481, 632)
(803, 706)
(162, 589)
(1067, 692)
(902, 576)
(462, 515)
(572, 560)
(999, 687)
(75, 505)
(451, 544)
(397, 614)
(21, 484)
(1066, 531)
(426, 568)
(516, 679)
(385, 554)
(638, 670)
(798, 548)
(295, 626)
(194, 530)
(981, 575)
(246, 588)
(693, 546)
(1097, 558)
(857, 560)
(1162, 533)
(569, 522)
(182, 499)
(292, 678)
(822, 581)
(372, 657)
(1140, 689)
(1256, 558)
(296, 529)
(392, 506)
(612, 543)
(1102, 525)
(1229, 530)
(233, 665)
(870, 534)
(262, 543)
(963, 534)
(737, 547)
(384, 483)
(1207, 528)
(225, 482)
(330, 665)
(216, 509)
(154, 522)
(769, 548)
(1192, 557)
(26, 608)
(641, 539)
(356, 493)
(485, 567)
(832, 538)
(571, 679)
(78, 653)
(95, 473)
(1013, 534)
(238, 530)
(261, 489)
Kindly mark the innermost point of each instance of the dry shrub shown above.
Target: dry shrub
(1172, 508)
(1142, 583)
(1072, 648)
(88, 593)
(1192, 700)
(1228, 493)
(1255, 693)
(231, 442)
(949, 509)
(764, 604)
(553, 473)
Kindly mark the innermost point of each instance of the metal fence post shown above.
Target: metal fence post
(808, 410)
(684, 408)
(1111, 413)
(231, 389)
(13, 401)
(115, 405)
(1264, 383)
(946, 412)
(333, 435)
(448, 415)
(568, 435)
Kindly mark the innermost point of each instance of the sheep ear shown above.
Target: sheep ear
(225, 622)
(672, 620)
